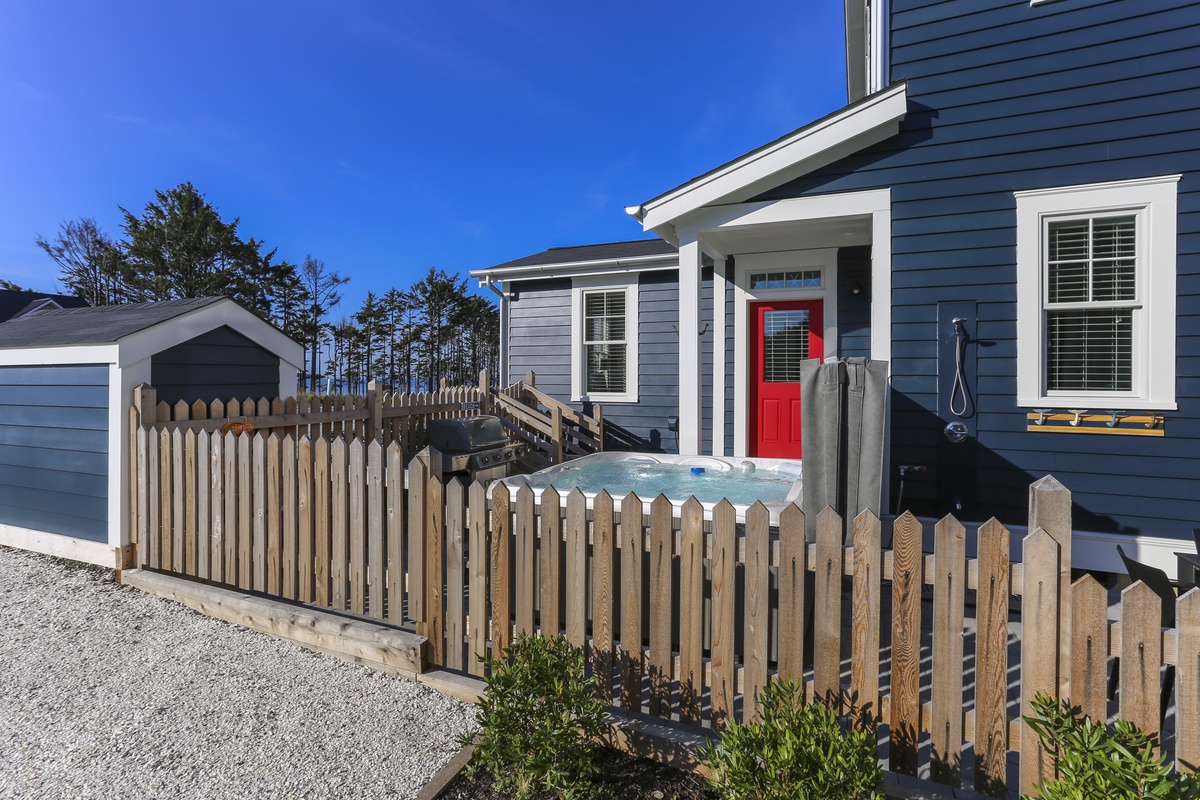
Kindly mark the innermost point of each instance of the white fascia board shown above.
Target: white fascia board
(58, 354)
(579, 269)
(856, 49)
(792, 209)
(853, 128)
(167, 334)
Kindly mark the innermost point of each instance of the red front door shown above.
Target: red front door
(782, 334)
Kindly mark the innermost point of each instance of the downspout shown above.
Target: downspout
(489, 282)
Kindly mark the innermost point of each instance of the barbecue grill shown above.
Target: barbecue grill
(476, 446)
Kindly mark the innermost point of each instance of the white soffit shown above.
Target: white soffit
(836, 136)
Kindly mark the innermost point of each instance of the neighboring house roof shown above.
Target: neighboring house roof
(16, 303)
(587, 258)
(94, 324)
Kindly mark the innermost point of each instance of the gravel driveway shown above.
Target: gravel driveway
(108, 692)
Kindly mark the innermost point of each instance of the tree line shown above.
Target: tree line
(179, 247)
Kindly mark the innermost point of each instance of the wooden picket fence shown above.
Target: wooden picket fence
(552, 430)
(684, 614)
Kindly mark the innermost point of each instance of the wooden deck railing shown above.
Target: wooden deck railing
(684, 614)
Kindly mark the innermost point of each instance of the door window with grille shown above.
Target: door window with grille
(785, 345)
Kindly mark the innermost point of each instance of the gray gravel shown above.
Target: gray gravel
(109, 692)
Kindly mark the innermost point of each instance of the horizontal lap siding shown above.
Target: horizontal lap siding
(1005, 97)
(539, 330)
(54, 449)
(217, 365)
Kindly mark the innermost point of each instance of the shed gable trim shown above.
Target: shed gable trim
(840, 134)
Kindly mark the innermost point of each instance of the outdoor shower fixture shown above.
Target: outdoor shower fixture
(956, 431)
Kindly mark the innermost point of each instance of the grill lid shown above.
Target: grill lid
(466, 434)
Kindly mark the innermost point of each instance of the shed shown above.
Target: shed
(66, 382)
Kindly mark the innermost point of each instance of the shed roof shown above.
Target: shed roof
(94, 324)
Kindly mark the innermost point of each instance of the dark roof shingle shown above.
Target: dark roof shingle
(95, 324)
(594, 252)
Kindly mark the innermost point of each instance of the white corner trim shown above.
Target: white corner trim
(879, 59)
(1153, 201)
(720, 324)
(855, 127)
(579, 286)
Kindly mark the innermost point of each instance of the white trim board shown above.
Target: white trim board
(59, 546)
(632, 289)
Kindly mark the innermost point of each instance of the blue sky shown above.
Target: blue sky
(388, 137)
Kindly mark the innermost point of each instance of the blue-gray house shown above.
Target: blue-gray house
(1027, 168)
(67, 377)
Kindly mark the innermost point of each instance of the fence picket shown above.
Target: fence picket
(827, 611)
(259, 509)
(339, 522)
(178, 495)
(724, 586)
(577, 556)
(217, 500)
(203, 486)
(189, 503)
(435, 585)
(477, 632)
(395, 534)
(274, 555)
(289, 530)
(356, 520)
(501, 551)
(907, 582)
(143, 496)
(603, 555)
(231, 509)
(550, 620)
(418, 478)
(165, 459)
(1039, 649)
(456, 623)
(1089, 656)
(152, 541)
(756, 627)
(950, 582)
(691, 612)
(305, 520)
(793, 560)
(662, 607)
(991, 660)
(1141, 657)
(526, 533)
(376, 554)
(322, 518)
(246, 518)
(865, 616)
(632, 547)
(1187, 682)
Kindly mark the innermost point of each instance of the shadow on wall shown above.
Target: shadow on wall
(968, 479)
(622, 439)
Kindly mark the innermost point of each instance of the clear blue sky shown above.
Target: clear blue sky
(391, 136)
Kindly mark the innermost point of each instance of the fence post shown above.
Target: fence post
(1050, 510)
(141, 414)
(598, 413)
(375, 404)
(556, 436)
(485, 392)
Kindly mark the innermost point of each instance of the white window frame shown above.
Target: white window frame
(1152, 201)
(607, 283)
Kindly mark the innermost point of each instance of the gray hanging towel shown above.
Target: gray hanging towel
(842, 407)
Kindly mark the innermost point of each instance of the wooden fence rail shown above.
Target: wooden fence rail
(684, 615)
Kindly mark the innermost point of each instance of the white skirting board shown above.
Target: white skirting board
(53, 544)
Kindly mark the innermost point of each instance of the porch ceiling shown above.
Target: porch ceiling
(789, 235)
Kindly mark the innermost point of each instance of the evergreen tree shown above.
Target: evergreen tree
(90, 262)
(324, 292)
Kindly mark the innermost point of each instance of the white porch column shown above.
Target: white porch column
(690, 384)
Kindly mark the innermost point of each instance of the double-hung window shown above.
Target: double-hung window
(1096, 296)
(604, 341)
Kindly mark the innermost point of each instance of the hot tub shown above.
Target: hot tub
(776, 482)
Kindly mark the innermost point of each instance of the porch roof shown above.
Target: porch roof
(837, 135)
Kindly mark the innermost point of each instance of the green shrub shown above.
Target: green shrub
(1095, 760)
(538, 716)
(797, 751)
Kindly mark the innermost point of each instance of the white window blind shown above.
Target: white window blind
(604, 339)
(785, 345)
